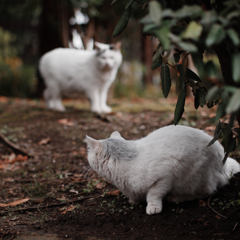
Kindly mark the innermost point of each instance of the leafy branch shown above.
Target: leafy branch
(197, 30)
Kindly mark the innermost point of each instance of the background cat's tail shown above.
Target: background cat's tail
(232, 167)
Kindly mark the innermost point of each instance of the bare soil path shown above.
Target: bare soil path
(51, 194)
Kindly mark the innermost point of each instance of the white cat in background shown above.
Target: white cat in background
(171, 162)
(69, 71)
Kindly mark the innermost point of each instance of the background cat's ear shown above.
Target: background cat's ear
(117, 46)
(91, 142)
(101, 46)
(116, 134)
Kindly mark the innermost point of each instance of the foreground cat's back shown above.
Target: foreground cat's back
(180, 154)
(182, 140)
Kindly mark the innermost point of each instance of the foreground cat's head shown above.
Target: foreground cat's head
(108, 55)
(103, 152)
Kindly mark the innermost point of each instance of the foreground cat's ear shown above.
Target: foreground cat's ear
(93, 143)
(116, 134)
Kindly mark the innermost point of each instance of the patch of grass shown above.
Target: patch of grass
(36, 190)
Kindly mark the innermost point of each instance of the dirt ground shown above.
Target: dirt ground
(51, 194)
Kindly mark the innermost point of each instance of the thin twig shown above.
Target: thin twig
(233, 211)
(235, 226)
(213, 209)
(47, 206)
(14, 146)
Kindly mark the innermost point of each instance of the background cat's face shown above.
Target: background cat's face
(109, 59)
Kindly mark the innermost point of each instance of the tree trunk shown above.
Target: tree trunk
(147, 59)
(54, 30)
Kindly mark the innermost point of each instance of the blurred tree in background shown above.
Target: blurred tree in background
(197, 27)
(39, 26)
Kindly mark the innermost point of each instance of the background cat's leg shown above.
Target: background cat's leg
(103, 99)
(94, 97)
(155, 195)
(52, 98)
(59, 106)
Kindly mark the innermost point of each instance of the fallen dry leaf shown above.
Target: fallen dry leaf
(69, 209)
(73, 191)
(18, 158)
(44, 141)
(12, 157)
(114, 193)
(100, 185)
(14, 203)
(202, 203)
(210, 128)
(66, 121)
(3, 99)
(21, 158)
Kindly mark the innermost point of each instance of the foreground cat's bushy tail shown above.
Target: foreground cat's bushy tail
(232, 167)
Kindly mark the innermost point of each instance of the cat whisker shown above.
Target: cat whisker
(86, 169)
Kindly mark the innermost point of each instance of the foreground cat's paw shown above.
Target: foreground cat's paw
(153, 210)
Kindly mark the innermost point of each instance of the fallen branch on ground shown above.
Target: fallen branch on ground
(46, 206)
(14, 146)
(213, 209)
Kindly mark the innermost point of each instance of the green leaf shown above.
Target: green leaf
(147, 20)
(165, 79)
(211, 69)
(198, 62)
(167, 13)
(155, 12)
(234, 102)
(220, 111)
(193, 31)
(236, 67)
(233, 36)
(208, 18)
(129, 3)
(187, 46)
(180, 106)
(181, 78)
(122, 23)
(212, 92)
(149, 27)
(159, 46)
(176, 57)
(213, 102)
(231, 148)
(219, 127)
(215, 35)
(193, 11)
(163, 33)
(196, 102)
(157, 60)
(189, 73)
(201, 94)
(215, 138)
(238, 146)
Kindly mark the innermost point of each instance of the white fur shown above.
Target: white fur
(70, 71)
(171, 162)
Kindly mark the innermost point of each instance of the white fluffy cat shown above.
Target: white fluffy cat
(69, 71)
(171, 162)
